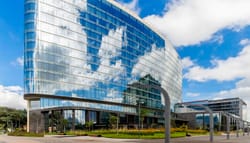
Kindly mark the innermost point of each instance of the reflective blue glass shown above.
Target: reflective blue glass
(96, 50)
(30, 6)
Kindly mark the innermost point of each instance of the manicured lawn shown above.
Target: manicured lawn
(25, 134)
(135, 134)
(154, 136)
(128, 134)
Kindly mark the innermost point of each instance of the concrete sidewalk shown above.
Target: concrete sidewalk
(87, 139)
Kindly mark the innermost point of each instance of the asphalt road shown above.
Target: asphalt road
(86, 139)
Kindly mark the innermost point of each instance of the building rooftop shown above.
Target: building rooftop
(217, 101)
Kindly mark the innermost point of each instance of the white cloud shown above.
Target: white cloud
(189, 22)
(18, 62)
(113, 95)
(245, 42)
(223, 70)
(149, 59)
(187, 63)
(110, 48)
(191, 94)
(241, 92)
(163, 57)
(12, 96)
(84, 76)
(63, 27)
(133, 6)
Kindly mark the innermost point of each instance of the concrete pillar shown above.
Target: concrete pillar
(127, 119)
(86, 116)
(98, 117)
(61, 119)
(247, 129)
(117, 123)
(73, 120)
(228, 127)
(211, 127)
(243, 129)
(220, 121)
(36, 121)
(28, 116)
(203, 121)
(52, 121)
(237, 128)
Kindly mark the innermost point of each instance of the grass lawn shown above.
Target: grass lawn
(135, 134)
(25, 134)
(154, 136)
(129, 134)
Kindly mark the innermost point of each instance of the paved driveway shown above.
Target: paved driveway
(86, 139)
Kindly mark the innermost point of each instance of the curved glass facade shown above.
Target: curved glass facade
(95, 50)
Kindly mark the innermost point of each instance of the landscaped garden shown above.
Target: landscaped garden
(136, 134)
(12, 120)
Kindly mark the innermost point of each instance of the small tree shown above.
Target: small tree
(89, 124)
(12, 118)
(64, 123)
(143, 113)
(113, 121)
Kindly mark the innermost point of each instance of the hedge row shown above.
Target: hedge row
(23, 133)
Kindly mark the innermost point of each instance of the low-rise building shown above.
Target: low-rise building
(197, 117)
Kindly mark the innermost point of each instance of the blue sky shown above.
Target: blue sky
(212, 38)
(11, 42)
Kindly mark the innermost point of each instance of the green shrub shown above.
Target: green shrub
(197, 131)
(24, 133)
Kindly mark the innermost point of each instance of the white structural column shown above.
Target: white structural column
(228, 127)
(28, 116)
(243, 129)
(237, 128)
(248, 128)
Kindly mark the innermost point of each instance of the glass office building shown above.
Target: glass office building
(82, 58)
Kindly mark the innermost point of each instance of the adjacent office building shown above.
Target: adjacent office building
(82, 58)
(197, 117)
